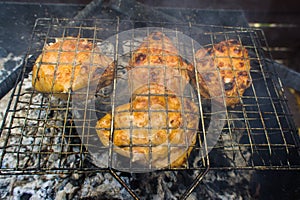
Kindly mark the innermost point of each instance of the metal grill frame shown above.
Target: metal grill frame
(265, 153)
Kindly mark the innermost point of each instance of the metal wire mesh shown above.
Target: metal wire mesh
(43, 134)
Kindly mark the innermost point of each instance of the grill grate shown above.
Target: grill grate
(42, 134)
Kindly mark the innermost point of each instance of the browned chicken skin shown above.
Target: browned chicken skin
(156, 122)
(68, 64)
(225, 69)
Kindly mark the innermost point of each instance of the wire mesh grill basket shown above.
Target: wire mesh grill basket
(43, 134)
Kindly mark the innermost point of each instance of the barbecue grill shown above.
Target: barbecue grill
(40, 134)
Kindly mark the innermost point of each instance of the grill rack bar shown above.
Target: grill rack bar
(242, 119)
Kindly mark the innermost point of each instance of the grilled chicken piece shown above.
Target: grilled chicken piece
(68, 64)
(154, 127)
(225, 70)
(157, 60)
